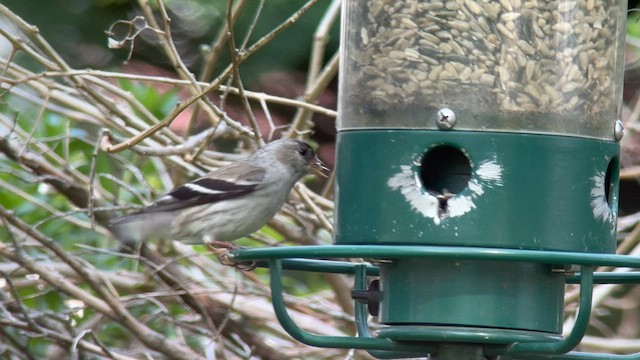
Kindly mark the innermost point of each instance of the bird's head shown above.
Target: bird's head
(298, 155)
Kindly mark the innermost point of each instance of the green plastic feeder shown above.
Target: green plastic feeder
(477, 161)
(478, 124)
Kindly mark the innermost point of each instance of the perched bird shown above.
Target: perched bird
(226, 204)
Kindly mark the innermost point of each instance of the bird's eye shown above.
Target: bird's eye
(306, 152)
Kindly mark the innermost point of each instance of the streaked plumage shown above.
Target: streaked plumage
(226, 204)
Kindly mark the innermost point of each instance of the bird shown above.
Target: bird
(229, 203)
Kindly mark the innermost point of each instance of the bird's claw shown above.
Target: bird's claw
(222, 249)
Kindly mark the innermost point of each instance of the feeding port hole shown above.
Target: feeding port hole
(609, 182)
(445, 171)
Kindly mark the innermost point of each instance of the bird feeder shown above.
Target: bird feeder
(477, 162)
(479, 124)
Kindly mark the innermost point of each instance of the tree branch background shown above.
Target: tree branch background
(84, 140)
(82, 146)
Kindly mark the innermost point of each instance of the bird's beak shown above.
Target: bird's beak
(319, 168)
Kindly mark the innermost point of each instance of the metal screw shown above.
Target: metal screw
(446, 119)
(618, 130)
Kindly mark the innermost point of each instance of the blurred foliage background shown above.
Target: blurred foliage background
(67, 288)
(69, 164)
(77, 30)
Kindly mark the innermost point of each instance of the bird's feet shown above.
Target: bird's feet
(221, 250)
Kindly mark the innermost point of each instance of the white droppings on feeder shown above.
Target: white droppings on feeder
(475, 187)
(601, 209)
(407, 181)
(460, 205)
(490, 171)
(599, 199)
(409, 184)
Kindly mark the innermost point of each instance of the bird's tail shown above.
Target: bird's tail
(134, 228)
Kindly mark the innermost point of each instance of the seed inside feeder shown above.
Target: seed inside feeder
(540, 66)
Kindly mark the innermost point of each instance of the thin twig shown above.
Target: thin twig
(630, 173)
(63, 340)
(257, 96)
(313, 93)
(107, 304)
(215, 84)
(236, 74)
(92, 174)
(303, 192)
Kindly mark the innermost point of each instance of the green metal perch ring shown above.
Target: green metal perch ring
(313, 258)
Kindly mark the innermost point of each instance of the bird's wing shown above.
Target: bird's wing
(225, 183)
